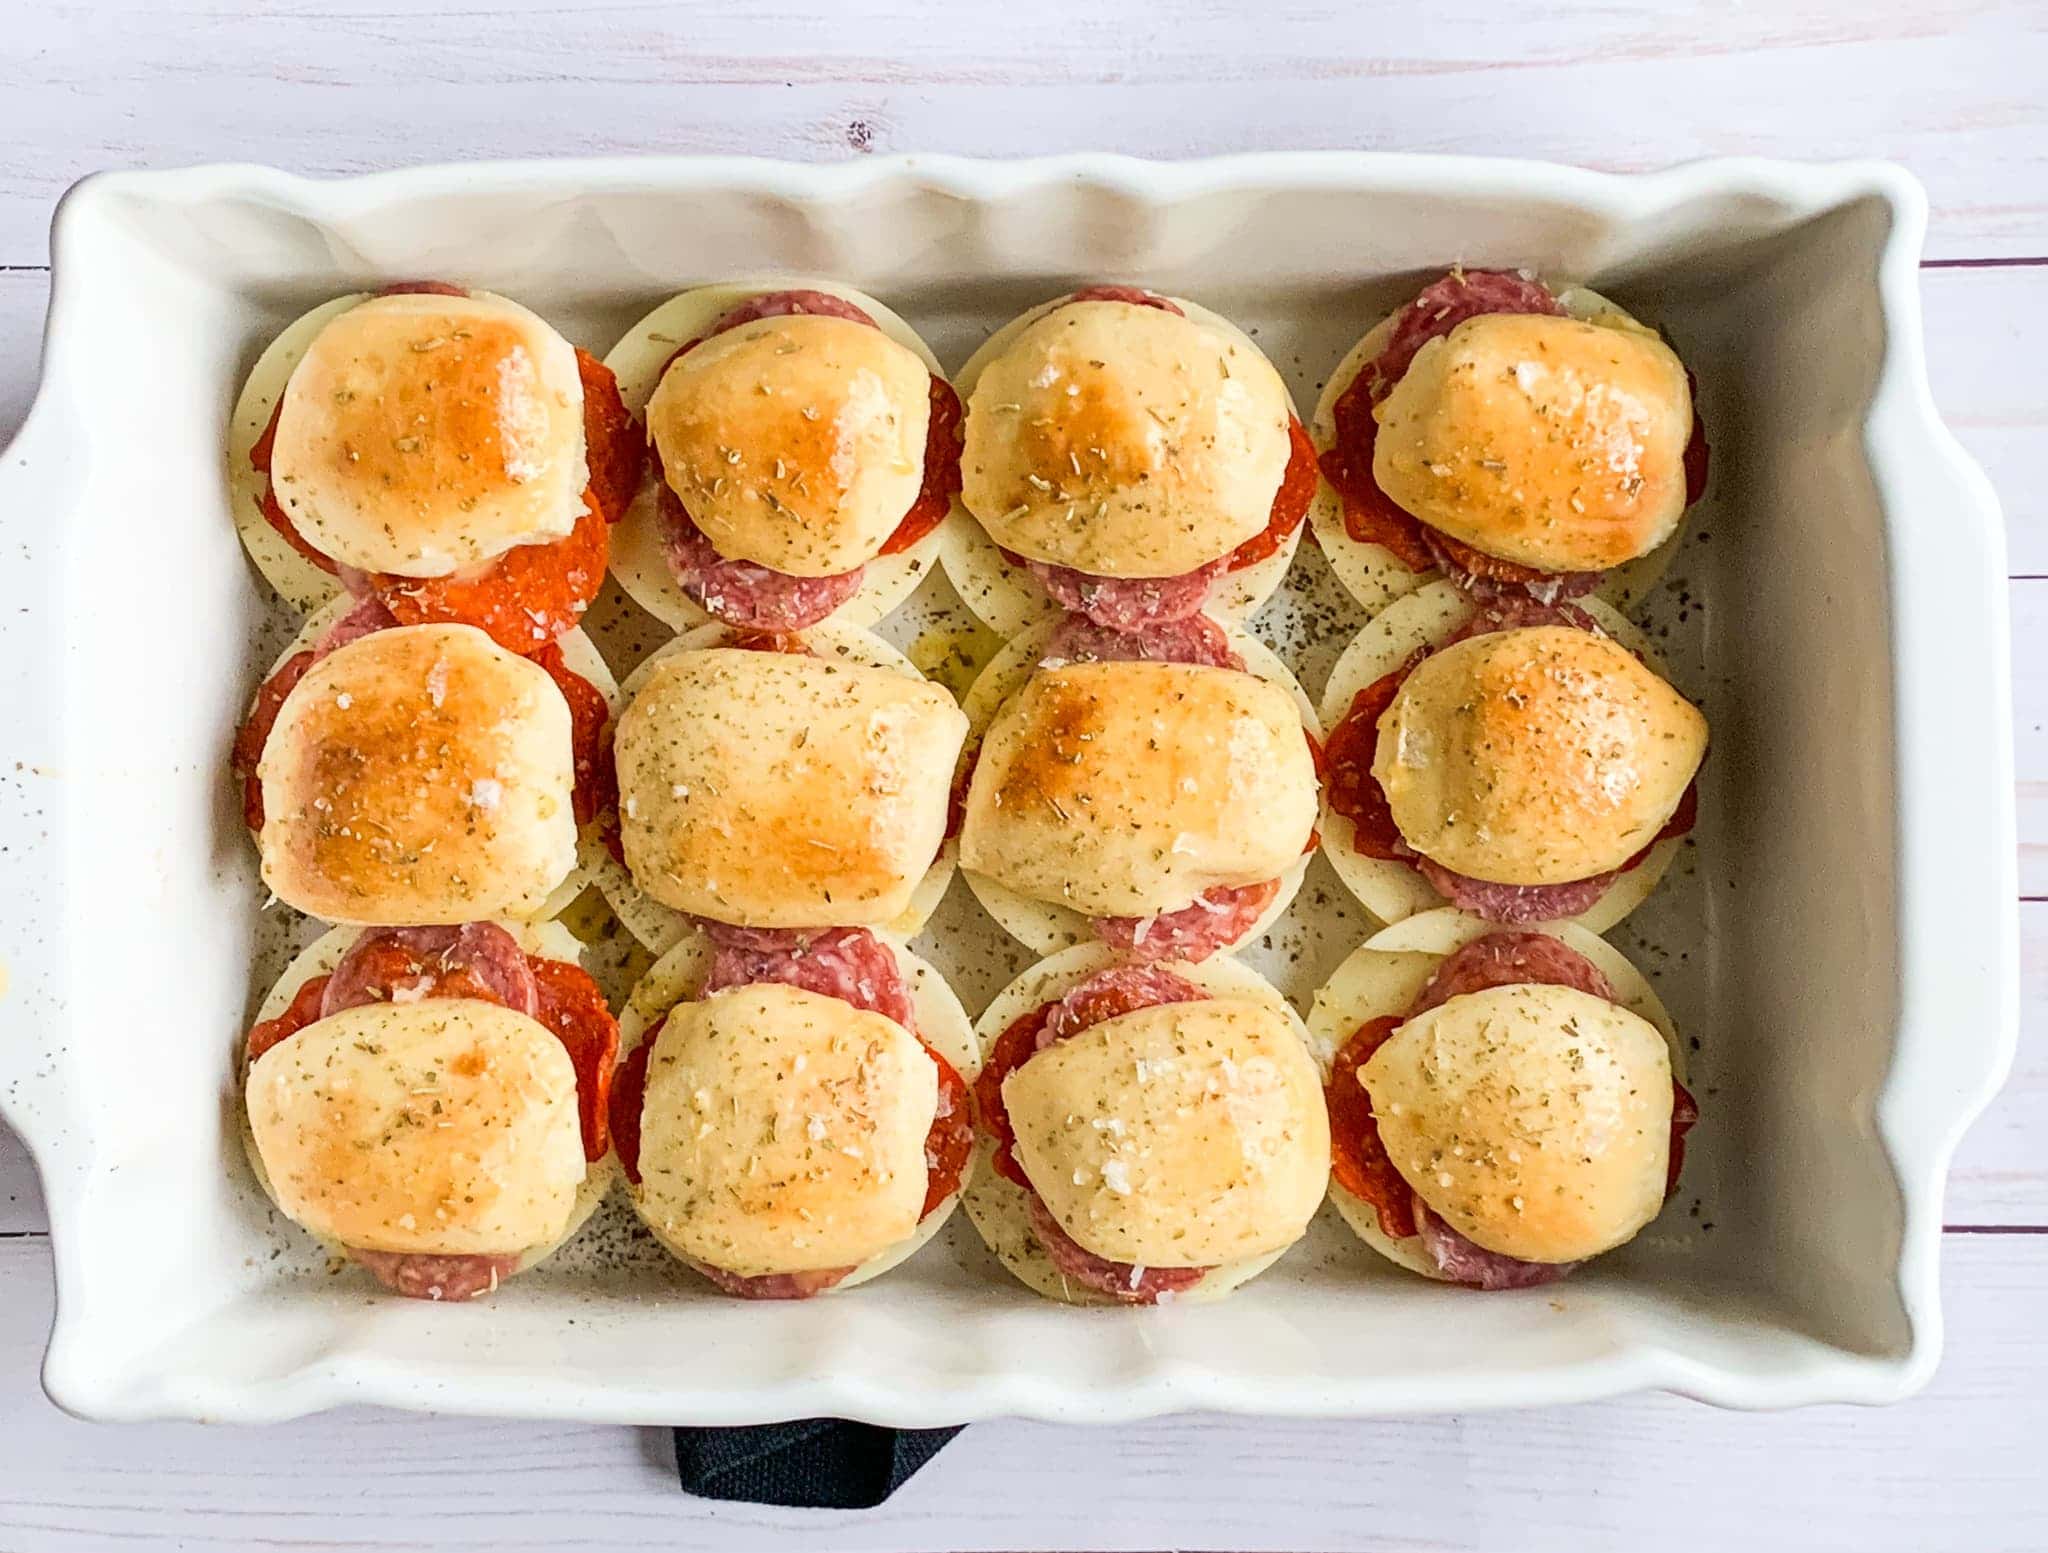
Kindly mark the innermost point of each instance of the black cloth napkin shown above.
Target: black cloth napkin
(809, 1463)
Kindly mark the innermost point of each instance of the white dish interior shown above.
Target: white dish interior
(1838, 941)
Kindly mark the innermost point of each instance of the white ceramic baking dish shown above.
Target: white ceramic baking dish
(1841, 943)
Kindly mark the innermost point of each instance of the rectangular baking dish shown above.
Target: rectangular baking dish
(1841, 947)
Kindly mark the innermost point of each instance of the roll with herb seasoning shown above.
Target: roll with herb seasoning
(1527, 762)
(1164, 805)
(1131, 457)
(791, 1116)
(1145, 1133)
(1504, 1105)
(431, 1103)
(1516, 438)
(400, 775)
(804, 457)
(797, 781)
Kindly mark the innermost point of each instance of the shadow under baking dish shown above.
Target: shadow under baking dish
(1837, 941)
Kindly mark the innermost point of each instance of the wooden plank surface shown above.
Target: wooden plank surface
(330, 86)
(1952, 90)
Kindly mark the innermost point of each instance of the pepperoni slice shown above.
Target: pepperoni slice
(569, 1003)
(1214, 920)
(255, 731)
(1358, 1159)
(588, 714)
(613, 446)
(303, 1010)
(524, 599)
(628, 1100)
(1137, 296)
(950, 1142)
(1197, 640)
(273, 510)
(1348, 752)
(1697, 454)
(943, 441)
(1290, 502)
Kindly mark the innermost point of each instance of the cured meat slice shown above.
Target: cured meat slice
(850, 964)
(449, 1279)
(408, 964)
(1515, 904)
(1510, 960)
(1196, 639)
(1461, 1261)
(1137, 296)
(1123, 1282)
(745, 593)
(1217, 919)
(1127, 603)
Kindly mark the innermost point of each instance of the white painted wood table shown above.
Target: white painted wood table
(1958, 92)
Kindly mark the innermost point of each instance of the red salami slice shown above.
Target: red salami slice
(1515, 904)
(1216, 920)
(1128, 603)
(850, 964)
(1122, 989)
(1359, 1161)
(1121, 1281)
(408, 964)
(1461, 1261)
(1197, 640)
(1137, 296)
(1510, 960)
(744, 593)
(782, 304)
(1488, 576)
(449, 1279)
(773, 1286)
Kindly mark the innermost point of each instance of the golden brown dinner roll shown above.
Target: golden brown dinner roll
(1535, 1120)
(783, 1131)
(421, 774)
(1180, 1135)
(1127, 789)
(1535, 756)
(1125, 441)
(783, 790)
(795, 442)
(1551, 442)
(421, 434)
(335, 1112)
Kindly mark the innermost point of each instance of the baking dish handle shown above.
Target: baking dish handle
(41, 483)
